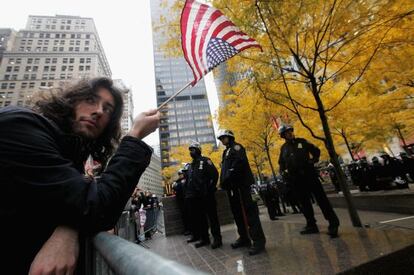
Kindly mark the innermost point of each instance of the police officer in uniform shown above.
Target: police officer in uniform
(179, 189)
(236, 177)
(202, 179)
(296, 162)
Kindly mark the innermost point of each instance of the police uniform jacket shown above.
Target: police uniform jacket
(202, 178)
(43, 184)
(297, 158)
(235, 168)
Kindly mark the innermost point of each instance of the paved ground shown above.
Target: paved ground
(288, 252)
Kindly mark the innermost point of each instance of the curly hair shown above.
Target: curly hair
(59, 107)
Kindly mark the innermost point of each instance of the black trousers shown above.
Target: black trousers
(198, 218)
(245, 210)
(306, 186)
(184, 213)
(211, 209)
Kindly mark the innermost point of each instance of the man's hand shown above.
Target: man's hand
(145, 123)
(59, 254)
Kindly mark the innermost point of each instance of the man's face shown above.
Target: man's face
(92, 115)
(289, 135)
(224, 140)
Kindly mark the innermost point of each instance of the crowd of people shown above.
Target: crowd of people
(382, 173)
(145, 209)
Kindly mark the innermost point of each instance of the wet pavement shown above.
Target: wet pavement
(288, 252)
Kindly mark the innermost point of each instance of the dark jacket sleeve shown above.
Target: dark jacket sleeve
(38, 172)
(282, 165)
(313, 150)
(212, 176)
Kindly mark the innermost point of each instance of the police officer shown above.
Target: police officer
(236, 177)
(202, 179)
(296, 162)
(179, 189)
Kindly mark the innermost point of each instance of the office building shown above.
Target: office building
(50, 51)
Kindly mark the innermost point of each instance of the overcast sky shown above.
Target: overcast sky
(124, 28)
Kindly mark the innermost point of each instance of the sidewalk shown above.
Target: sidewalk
(288, 252)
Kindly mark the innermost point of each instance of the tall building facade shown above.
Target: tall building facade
(188, 117)
(48, 52)
(127, 116)
(151, 179)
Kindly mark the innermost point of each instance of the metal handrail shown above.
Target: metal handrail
(125, 257)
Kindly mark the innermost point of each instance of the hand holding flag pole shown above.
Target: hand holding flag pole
(208, 38)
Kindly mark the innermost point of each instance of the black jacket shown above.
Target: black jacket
(235, 168)
(202, 178)
(295, 158)
(43, 186)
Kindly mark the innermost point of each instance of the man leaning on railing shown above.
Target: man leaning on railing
(42, 155)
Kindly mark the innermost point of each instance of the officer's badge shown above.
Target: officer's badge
(201, 165)
(300, 145)
(237, 147)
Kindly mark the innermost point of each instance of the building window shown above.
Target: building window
(31, 85)
(37, 61)
(81, 68)
(23, 85)
(3, 86)
(26, 77)
(82, 60)
(9, 69)
(12, 85)
(86, 49)
(87, 68)
(33, 77)
(63, 69)
(54, 60)
(65, 60)
(45, 68)
(16, 68)
(88, 60)
(72, 60)
(11, 61)
(53, 68)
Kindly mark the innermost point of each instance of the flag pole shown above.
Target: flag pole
(174, 95)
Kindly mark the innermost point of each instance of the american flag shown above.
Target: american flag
(209, 38)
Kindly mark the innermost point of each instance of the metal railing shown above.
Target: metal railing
(118, 254)
(124, 257)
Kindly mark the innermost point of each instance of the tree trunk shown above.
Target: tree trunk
(258, 169)
(270, 162)
(347, 145)
(334, 159)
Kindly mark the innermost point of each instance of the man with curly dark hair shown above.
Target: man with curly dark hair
(45, 198)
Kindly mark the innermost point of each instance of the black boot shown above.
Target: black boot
(192, 239)
(310, 229)
(256, 249)
(240, 243)
(216, 243)
(202, 243)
